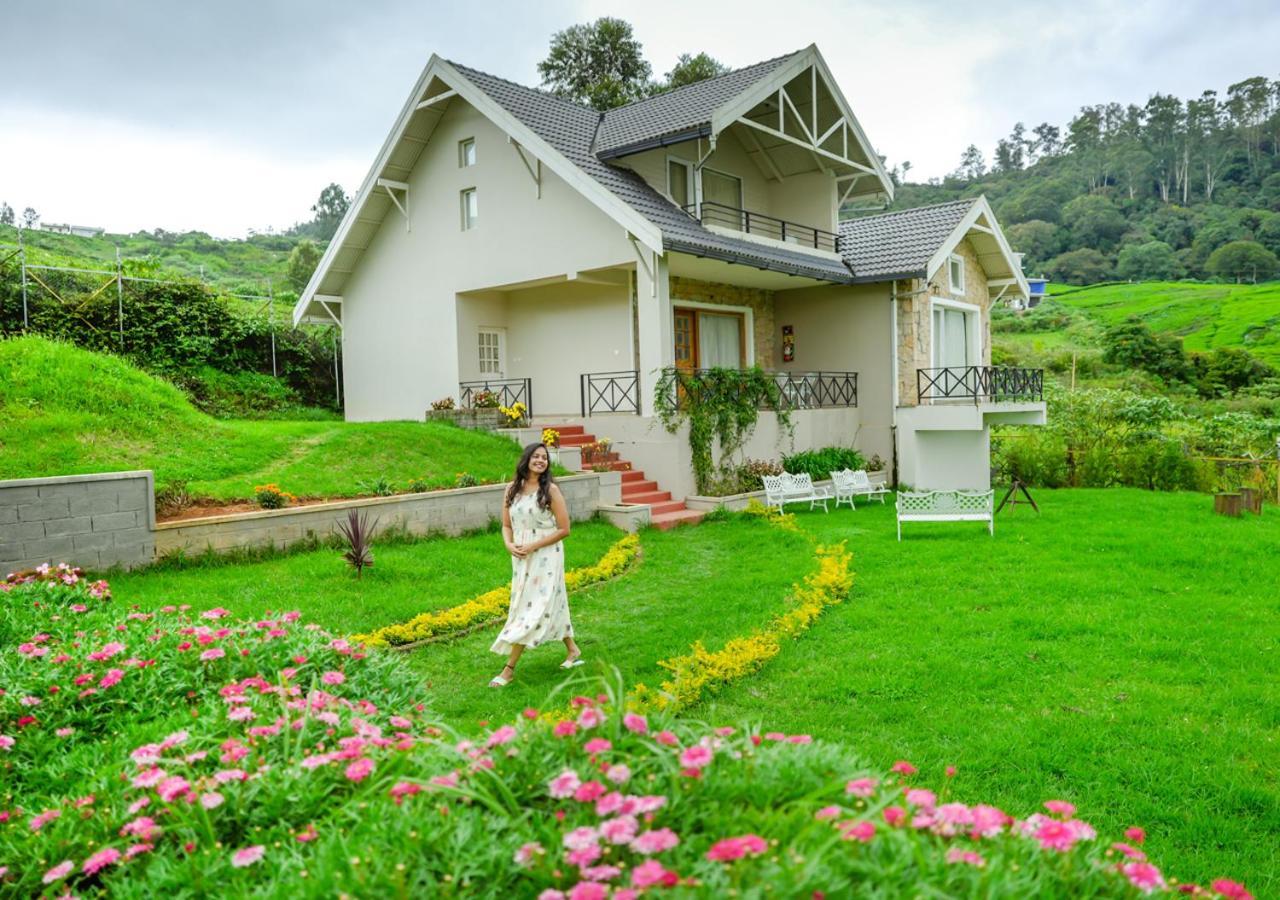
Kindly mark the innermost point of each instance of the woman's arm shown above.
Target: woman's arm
(507, 537)
(561, 511)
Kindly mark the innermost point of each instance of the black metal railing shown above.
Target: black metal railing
(978, 383)
(508, 391)
(796, 390)
(613, 392)
(744, 220)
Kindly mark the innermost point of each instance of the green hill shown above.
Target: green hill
(64, 410)
(1205, 316)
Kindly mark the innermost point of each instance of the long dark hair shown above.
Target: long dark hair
(522, 472)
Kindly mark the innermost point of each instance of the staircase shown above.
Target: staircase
(664, 512)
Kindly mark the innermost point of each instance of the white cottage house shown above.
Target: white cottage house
(508, 239)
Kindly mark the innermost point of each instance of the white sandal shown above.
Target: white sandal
(574, 662)
(498, 681)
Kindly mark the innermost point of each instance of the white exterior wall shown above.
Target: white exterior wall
(400, 312)
(846, 328)
(944, 460)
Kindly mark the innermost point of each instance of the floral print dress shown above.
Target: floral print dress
(539, 610)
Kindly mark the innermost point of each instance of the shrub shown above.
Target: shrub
(1243, 261)
(418, 485)
(446, 403)
(465, 480)
(269, 496)
(551, 437)
(750, 473)
(172, 498)
(238, 395)
(821, 463)
(514, 414)
(485, 399)
(358, 534)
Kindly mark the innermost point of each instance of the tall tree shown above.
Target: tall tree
(1249, 102)
(303, 260)
(6, 214)
(599, 64)
(30, 217)
(329, 210)
(1206, 134)
(972, 165)
(690, 69)
(1165, 127)
(1048, 140)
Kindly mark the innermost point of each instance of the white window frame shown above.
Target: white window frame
(742, 184)
(463, 145)
(467, 220)
(973, 328)
(691, 189)
(957, 261)
(500, 335)
(748, 323)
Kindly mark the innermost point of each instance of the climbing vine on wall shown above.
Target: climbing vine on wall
(720, 405)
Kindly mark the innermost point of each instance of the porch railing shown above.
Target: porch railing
(712, 213)
(797, 390)
(978, 383)
(613, 392)
(509, 391)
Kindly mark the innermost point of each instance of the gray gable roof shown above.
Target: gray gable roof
(571, 129)
(676, 115)
(899, 244)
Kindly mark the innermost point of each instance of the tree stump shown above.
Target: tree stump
(1227, 504)
(1251, 499)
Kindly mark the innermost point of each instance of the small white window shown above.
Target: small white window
(679, 182)
(466, 153)
(470, 212)
(955, 271)
(491, 351)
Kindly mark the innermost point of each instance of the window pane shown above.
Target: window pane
(719, 341)
(467, 152)
(678, 182)
(956, 338)
(720, 188)
(469, 209)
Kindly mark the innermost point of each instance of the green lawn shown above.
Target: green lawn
(1117, 651)
(65, 411)
(1206, 316)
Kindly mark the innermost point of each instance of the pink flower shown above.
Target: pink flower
(6, 742)
(601, 873)
(894, 816)
(921, 798)
(551, 894)
(111, 679)
(138, 850)
(619, 830)
(827, 812)
(333, 678)
(360, 769)
(589, 792)
(248, 856)
(861, 787)
(504, 735)
(581, 838)
(1131, 852)
(618, 774)
(216, 613)
(951, 771)
(213, 653)
(696, 757)
(564, 785)
(1060, 808)
(1135, 834)
(307, 835)
(1144, 876)
(588, 890)
(862, 831)
(597, 745)
(172, 788)
(733, 848)
(655, 841)
(58, 872)
(902, 767)
(211, 800)
(1228, 888)
(143, 827)
(1052, 834)
(651, 872)
(45, 818)
(590, 717)
(636, 724)
(402, 789)
(800, 739)
(666, 738)
(567, 728)
(524, 856)
(583, 856)
(968, 857)
(108, 650)
(988, 821)
(100, 860)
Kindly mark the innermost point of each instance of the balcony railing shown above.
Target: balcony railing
(979, 383)
(610, 392)
(796, 390)
(509, 391)
(744, 220)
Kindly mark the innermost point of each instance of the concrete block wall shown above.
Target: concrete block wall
(93, 521)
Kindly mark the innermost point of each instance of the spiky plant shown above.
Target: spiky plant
(358, 534)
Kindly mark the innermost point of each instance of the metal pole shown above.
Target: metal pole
(22, 260)
(271, 300)
(337, 388)
(120, 296)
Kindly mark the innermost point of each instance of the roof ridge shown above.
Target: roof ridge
(704, 81)
(902, 212)
(537, 90)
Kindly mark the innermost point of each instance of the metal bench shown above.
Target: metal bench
(946, 506)
(780, 490)
(849, 484)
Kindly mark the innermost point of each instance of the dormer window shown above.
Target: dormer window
(955, 273)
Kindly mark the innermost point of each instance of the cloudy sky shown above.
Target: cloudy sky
(232, 115)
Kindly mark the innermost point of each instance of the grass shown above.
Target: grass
(66, 411)
(1117, 651)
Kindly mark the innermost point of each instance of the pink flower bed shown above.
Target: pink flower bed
(292, 760)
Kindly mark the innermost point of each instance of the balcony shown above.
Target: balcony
(765, 226)
(796, 390)
(979, 384)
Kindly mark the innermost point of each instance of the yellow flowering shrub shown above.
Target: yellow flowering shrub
(703, 669)
(492, 605)
(772, 515)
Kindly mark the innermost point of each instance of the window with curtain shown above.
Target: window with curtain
(678, 182)
(725, 190)
(719, 341)
(951, 337)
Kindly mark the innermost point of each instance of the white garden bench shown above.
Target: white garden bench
(849, 484)
(780, 490)
(947, 506)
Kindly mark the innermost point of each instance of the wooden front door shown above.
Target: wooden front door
(686, 338)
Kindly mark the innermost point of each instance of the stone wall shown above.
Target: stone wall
(759, 301)
(93, 521)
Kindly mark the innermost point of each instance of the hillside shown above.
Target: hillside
(64, 410)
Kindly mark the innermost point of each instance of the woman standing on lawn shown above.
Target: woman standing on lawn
(535, 522)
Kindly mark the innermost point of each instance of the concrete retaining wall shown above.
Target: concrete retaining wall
(93, 521)
(97, 521)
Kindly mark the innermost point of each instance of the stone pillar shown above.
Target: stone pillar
(657, 348)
